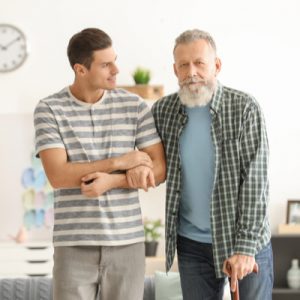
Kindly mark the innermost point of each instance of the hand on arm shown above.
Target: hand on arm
(96, 184)
(238, 266)
(133, 159)
(157, 154)
(143, 176)
(140, 177)
(64, 174)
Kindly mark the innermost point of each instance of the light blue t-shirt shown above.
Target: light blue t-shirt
(197, 166)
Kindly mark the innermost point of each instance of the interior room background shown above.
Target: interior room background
(258, 42)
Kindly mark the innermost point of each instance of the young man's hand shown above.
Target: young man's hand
(140, 177)
(133, 159)
(95, 184)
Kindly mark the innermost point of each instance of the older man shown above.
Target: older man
(217, 180)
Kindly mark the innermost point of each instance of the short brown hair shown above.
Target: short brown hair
(83, 44)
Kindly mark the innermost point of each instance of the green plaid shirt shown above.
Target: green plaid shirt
(238, 211)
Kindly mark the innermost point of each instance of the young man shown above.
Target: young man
(86, 136)
(217, 180)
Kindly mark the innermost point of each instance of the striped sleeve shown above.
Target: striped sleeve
(146, 134)
(46, 129)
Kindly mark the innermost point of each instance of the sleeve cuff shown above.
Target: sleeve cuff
(245, 247)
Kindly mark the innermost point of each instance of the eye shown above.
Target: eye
(199, 63)
(183, 65)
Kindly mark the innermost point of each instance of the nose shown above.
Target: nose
(192, 71)
(114, 69)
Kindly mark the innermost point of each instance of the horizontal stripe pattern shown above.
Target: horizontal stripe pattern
(119, 123)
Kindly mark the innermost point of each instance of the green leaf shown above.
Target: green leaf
(141, 76)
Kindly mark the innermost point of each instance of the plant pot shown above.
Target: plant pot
(151, 248)
(146, 91)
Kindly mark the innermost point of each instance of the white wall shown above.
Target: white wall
(258, 42)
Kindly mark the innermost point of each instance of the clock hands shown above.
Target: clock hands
(10, 43)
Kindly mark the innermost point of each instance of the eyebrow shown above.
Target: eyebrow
(107, 62)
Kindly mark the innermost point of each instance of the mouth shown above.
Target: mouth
(193, 82)
(194, 85)
(112, 79)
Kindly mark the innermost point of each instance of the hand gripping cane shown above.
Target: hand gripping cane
(236, 293)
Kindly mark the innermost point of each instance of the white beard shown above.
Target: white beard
(197, 94)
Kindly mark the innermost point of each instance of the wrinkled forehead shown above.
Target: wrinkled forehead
(198, 49)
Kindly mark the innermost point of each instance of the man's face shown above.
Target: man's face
(196, 67)
(103, 70)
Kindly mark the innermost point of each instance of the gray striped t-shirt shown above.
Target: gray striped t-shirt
(115, 125)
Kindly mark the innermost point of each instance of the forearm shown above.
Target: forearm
(64, 174)
(159, 170)
(157, 154)
(252, 207)
(251, 221)
(101, 183)
(70, 174)
(119, 181)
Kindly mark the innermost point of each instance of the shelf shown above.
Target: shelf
(289, 229)
(145, 91)
(285, 294)
(27, 259)
(285, 291)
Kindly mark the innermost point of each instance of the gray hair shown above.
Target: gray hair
(189, 36)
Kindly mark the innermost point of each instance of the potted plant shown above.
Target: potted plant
(141, 76)
(152, 234)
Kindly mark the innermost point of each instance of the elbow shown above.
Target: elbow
(161, 174)
(57, 182)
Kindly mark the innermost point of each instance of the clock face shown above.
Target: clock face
(13, 48)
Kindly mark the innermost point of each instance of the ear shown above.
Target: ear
(80, 70)
(218, 65)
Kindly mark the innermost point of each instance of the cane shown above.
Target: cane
(236, 293)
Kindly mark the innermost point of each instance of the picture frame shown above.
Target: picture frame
(293, 212)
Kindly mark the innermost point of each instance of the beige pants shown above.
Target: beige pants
(93, 272)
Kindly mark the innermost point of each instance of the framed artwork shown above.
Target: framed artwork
(293, 212)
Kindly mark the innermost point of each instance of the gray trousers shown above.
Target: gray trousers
(99, 272)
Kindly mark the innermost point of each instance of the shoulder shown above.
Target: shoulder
(122, 94)
(240, 102)
(57, 99)
(125, 99)
(238, 97)
(167, 103)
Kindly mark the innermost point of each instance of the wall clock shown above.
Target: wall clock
(13, 47)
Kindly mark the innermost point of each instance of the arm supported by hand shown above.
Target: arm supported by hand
(64, 174)
(140, 176)
(144, 177)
